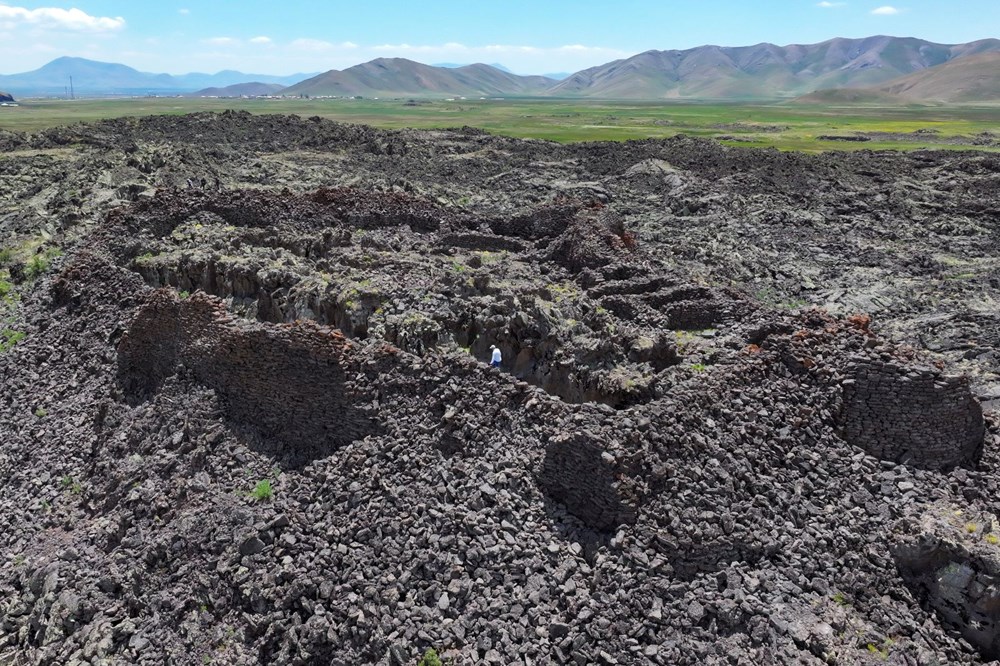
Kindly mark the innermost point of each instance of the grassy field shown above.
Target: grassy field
(784, 126)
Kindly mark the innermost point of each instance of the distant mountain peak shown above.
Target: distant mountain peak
(101, 78)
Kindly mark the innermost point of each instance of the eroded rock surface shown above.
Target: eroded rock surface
(949, 558)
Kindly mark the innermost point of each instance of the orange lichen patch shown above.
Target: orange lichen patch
(860, 321)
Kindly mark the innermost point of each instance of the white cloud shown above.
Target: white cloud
(55, 17)
(260, 40)
(885, 11)
(825, 4)
(221, 41)
(184, 11)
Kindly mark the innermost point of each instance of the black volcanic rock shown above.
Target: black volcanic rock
(669, 466)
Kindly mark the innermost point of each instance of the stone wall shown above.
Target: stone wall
(591, 479)
(288, 381)
(483, 242)
(912, 415)
(148, 352)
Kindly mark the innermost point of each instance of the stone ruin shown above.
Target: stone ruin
(590, 480)
(287, 381)
(912, 415)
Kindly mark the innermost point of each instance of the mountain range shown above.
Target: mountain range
(91, 77)
(395, 76)
(875, 67)
(764, 70)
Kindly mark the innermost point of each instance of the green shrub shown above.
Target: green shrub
(39, 263)
(430, 658)
(41, 412)
(6, 254)
(36, 266)
(9, 338)
(262, 491)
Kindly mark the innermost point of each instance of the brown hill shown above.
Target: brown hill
(763, 70)
(974, 78)
(399, 76)
(971, 79)
(254, 89)
(852, 96)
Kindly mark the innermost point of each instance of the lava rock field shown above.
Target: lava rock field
(748, 411)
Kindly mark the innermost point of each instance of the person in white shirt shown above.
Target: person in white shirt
(496, 358)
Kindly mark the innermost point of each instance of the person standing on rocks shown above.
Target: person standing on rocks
(497, 357)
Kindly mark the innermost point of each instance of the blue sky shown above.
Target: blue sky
(284, 37)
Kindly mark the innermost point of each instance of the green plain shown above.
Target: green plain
(783, 126)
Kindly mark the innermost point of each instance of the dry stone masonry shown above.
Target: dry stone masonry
(912, 415)
(287, 381)
(584, 474)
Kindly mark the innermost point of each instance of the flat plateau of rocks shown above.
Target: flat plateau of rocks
(747, 412)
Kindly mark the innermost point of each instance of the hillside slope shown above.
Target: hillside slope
(252, 89)
(970, 79)
(763, 70)
(399, 76)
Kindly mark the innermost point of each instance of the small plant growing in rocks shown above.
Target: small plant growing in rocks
(992, 539)
(41, 412)
(71, 484)
(971, 528)
(39, 263)
(263, 491)
(9, 338)
(881, 653)
(430, 658)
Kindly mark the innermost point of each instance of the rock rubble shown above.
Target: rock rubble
(671, 467)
